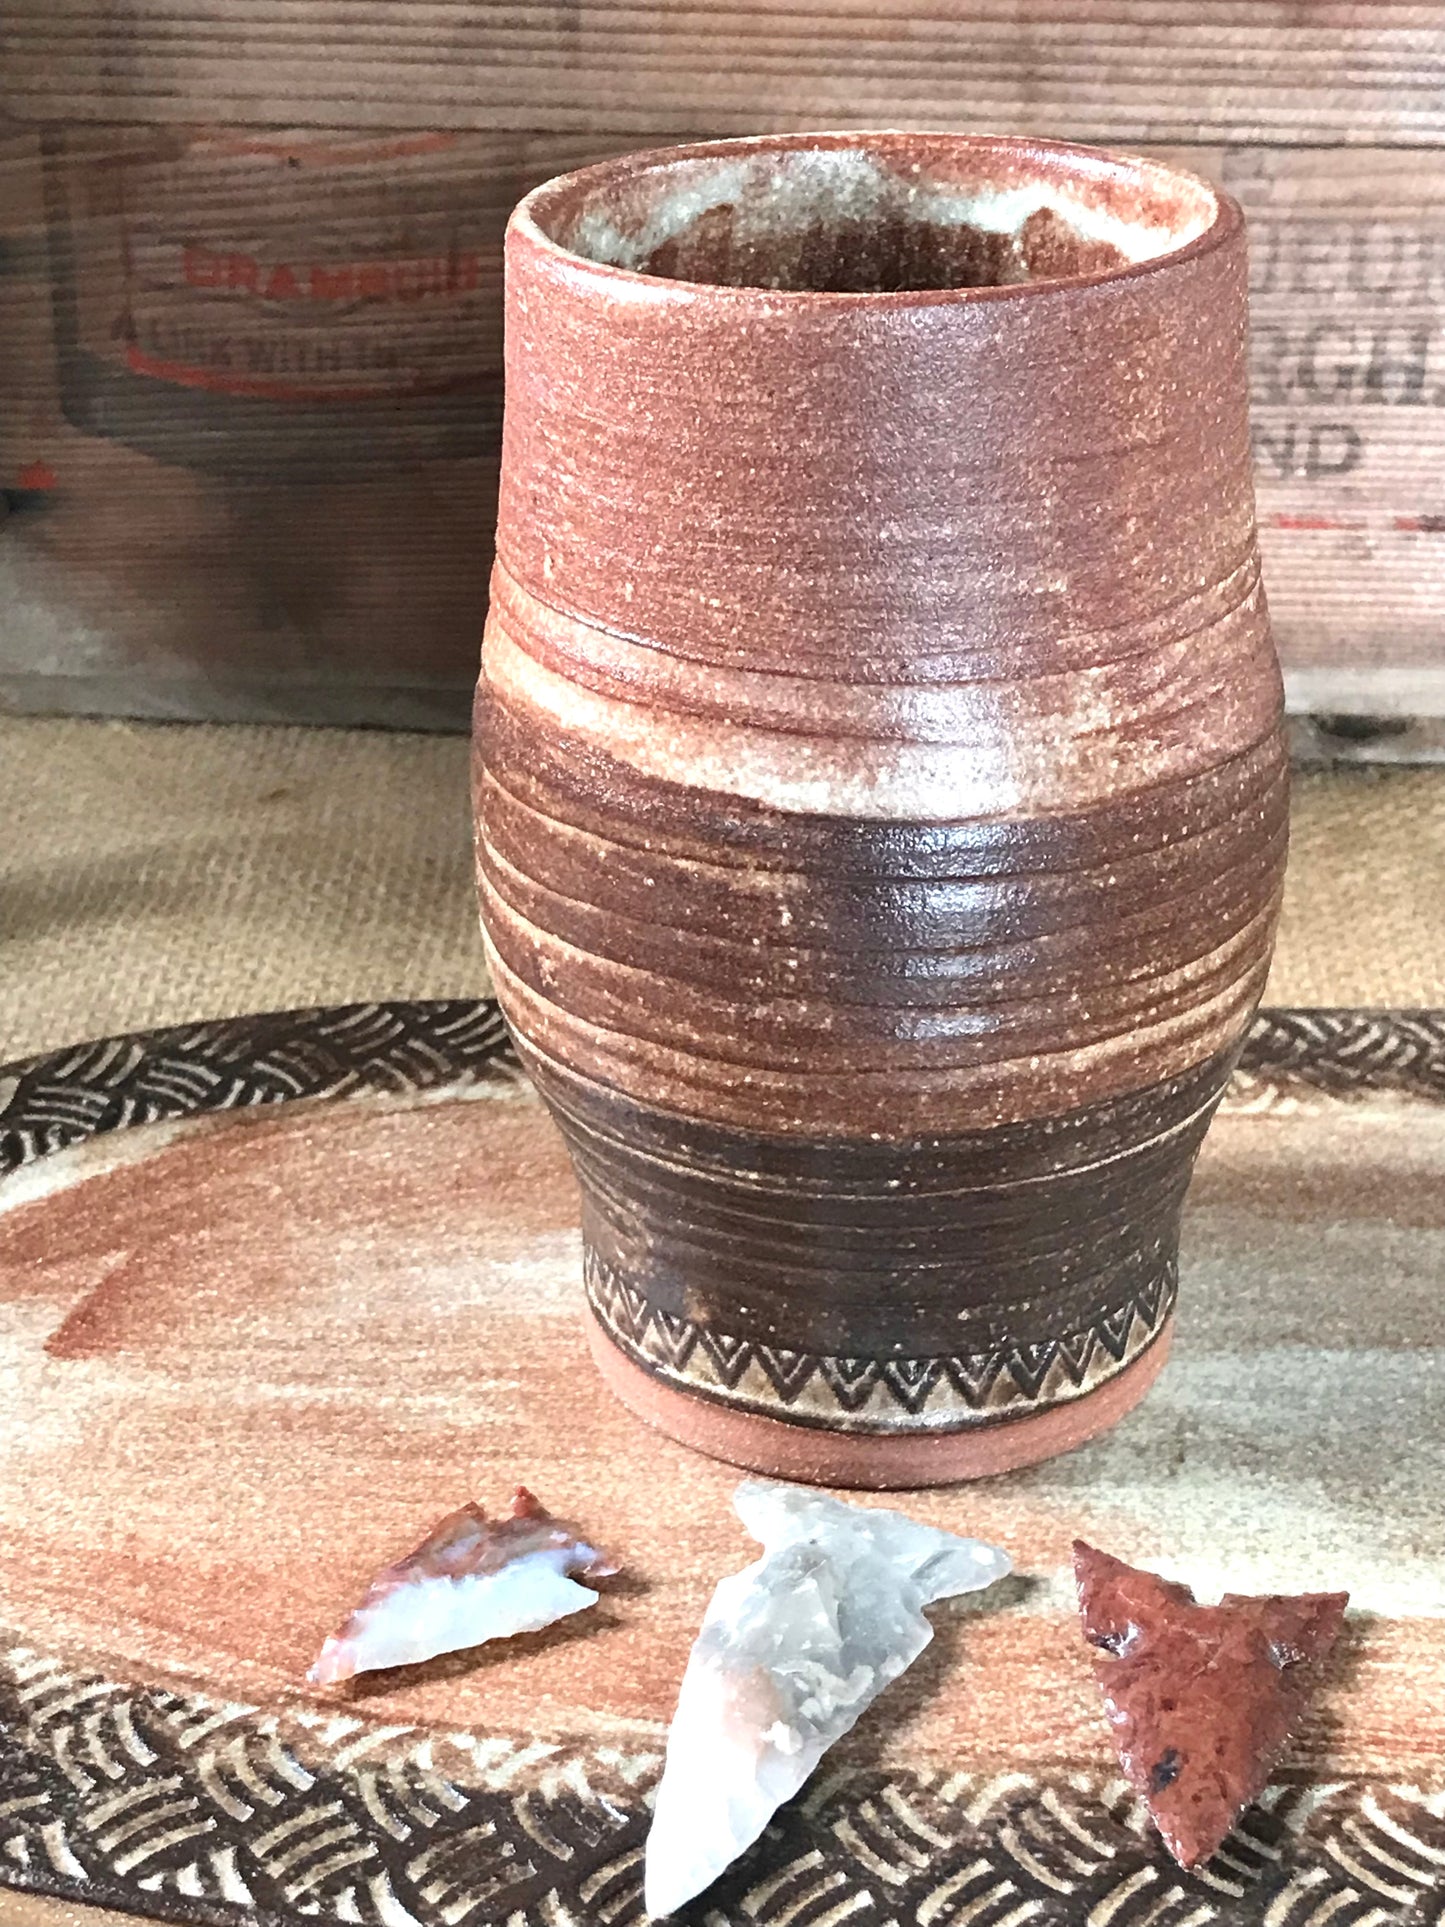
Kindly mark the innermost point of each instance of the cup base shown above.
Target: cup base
(870, 1461)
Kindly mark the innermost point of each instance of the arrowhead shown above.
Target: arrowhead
(791, 1651)
(1201, 1699)
(471, 1579)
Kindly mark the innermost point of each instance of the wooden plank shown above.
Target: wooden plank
(1165, 70)
(1348, 359)
(179, 549)
(1337, 741)
(249, 419)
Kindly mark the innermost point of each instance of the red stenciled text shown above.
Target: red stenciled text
(412, 278)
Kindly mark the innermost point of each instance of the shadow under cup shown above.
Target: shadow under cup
(880, 793)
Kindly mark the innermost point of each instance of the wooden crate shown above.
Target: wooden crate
(249, 295)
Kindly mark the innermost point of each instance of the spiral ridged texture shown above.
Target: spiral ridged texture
(880, 791)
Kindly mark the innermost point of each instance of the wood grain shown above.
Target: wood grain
(1130, 70)
(289, 1334)
(1347, 288)
(167, 587)
(285, 1377)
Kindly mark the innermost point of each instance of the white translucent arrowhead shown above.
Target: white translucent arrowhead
(792, 1650)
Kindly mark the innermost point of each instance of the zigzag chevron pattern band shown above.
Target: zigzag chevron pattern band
(184, 1807)
(858, 1394)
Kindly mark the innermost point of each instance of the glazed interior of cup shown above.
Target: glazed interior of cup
(873, 214)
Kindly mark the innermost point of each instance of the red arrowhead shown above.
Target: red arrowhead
(1201, 1699)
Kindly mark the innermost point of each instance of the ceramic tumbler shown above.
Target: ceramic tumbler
(881, 798)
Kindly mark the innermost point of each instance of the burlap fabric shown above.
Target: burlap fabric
(156, 873)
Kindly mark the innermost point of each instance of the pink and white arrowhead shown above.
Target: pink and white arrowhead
(471, 1579)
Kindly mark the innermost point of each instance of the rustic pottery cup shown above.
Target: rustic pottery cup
(880, 791)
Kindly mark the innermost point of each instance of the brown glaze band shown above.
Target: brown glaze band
(578, 791)
(831, 999)
(532, 833)
(885, 736)
(867, 1099)
(937, 1282)
(880, 794)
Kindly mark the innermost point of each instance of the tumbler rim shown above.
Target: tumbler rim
(529, 220)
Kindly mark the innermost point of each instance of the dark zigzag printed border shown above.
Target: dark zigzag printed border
(175, 1804)
(944, 1392)
(52, 1101)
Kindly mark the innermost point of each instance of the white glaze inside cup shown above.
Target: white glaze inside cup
(888, 214)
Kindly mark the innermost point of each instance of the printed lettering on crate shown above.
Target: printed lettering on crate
(249, 429)
(305, 306)
(250, 297)
(1347, 291)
